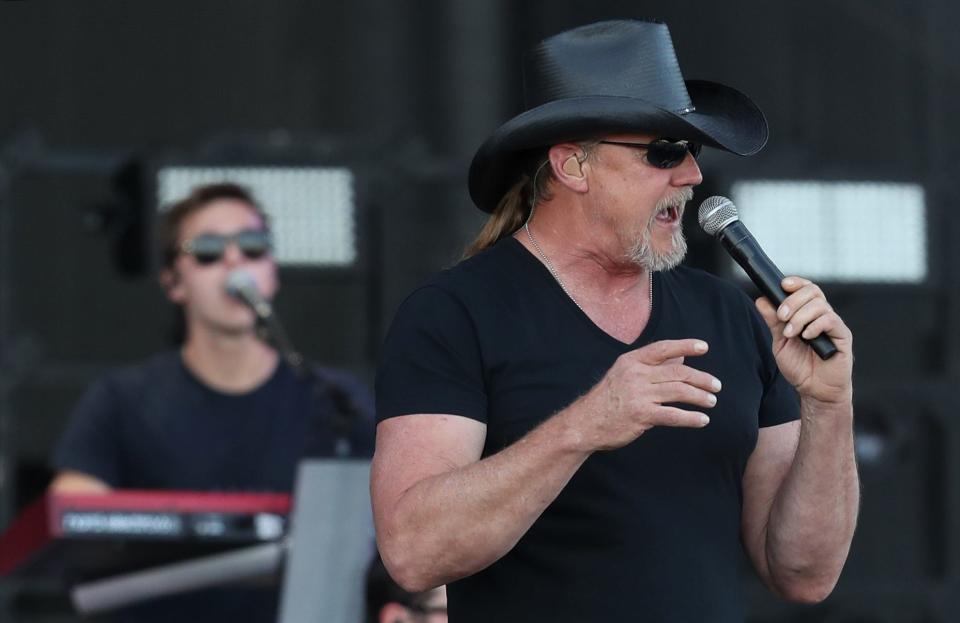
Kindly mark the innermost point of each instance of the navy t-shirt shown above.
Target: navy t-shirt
(156, 426)
(647, 532)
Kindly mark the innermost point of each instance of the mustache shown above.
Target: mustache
(676, 200)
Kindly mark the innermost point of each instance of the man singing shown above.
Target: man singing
(574, 427)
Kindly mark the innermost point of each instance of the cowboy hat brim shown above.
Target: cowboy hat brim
(724, 118)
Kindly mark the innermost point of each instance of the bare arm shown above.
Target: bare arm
(801, 490)
(441, 513)
(77, 482)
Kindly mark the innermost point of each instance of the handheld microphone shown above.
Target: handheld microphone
(718, 217)
(241, 286)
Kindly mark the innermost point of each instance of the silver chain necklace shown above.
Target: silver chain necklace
(553, 271)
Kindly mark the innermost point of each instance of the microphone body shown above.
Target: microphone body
(746, 251)
(743, 248)
(241, 285)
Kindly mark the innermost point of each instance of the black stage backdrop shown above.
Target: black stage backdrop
(404, 92)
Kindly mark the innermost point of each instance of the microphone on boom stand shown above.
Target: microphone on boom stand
(242, 286)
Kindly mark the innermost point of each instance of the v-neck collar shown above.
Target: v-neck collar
(544, 273)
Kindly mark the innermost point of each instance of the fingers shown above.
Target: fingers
(665, 350)
(672, 416)
(829, 324)
(671, 380)
(673, 361)
(804, 313)
(677, 391)
(639, 391)
(802, 292)
(805, 304)
(802, 317)
(675, 372)
(769, 314)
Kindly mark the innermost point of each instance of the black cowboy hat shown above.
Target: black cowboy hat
(615, 76)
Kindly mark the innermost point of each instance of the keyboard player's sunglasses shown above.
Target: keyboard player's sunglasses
(663, 153)
(209, 248)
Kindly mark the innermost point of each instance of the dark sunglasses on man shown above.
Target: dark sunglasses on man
(663, 153)
(209, 248)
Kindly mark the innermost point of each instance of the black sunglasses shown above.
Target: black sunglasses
(209, 248)
(663, 153)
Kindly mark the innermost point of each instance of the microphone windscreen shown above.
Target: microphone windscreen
(715, 213)
(240, 284)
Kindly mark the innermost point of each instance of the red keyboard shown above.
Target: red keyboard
(84, 536)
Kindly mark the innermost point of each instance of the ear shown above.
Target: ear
(566, 162)
(171, 283)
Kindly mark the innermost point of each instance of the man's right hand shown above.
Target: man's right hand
(443, 511)
(633, 395)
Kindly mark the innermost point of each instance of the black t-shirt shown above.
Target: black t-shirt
(648, 532)
(156, 426)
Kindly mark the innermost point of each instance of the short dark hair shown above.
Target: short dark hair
(382, 589)
(168, 233)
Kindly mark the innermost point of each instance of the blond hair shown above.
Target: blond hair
(510, 214)
(515, 205)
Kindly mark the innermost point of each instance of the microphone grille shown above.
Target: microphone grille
(239, 282)
(715, 213)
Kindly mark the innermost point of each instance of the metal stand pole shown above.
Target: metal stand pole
(216, 570)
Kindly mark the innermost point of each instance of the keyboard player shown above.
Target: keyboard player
(224, 412)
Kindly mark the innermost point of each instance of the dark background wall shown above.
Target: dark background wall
(853, 89)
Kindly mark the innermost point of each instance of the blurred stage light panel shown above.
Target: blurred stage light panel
(312, 209)
(854, 232)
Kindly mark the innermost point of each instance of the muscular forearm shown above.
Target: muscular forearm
(814, 514)
(454, 524)
(445, 515)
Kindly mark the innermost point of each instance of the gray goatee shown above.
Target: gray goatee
(644, 255)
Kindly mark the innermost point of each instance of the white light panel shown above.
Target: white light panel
(838, 231)
(312, 209)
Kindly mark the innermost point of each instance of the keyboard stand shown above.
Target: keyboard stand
(204, 572)
(324, 559)
(332, 542)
